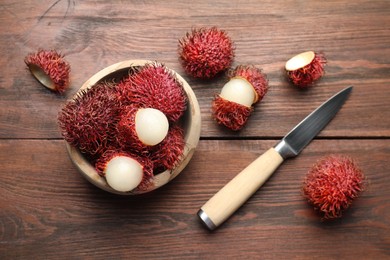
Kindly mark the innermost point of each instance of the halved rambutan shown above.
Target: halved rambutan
(305, 68)
(49, 68)
(140, 128)
(332, 184)
(205, 52)
(232, 107)
(254, 76)
(88, 121)
(168, 153)
(128, 171)
(154, 86)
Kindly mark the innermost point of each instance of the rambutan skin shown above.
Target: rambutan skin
(168, 153)
(147, 165)
(154, 86)
(87, 122)
(230, 114)
(205, 52)
(332, 184)
(254, 76)
(126, 134)
(53, 64)
(306, 76)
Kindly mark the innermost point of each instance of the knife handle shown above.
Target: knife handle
(234, 194)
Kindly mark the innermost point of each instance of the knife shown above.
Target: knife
(227, 200)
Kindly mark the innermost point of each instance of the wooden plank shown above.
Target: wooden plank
(93, 35)
(49, 211)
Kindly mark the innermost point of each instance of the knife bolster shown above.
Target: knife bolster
(285, 150)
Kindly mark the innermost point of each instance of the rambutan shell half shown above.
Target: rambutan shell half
(332, 184)
(305, 68)
(230, 114)
(50, 68)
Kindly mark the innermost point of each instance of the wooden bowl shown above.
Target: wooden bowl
(191, 122)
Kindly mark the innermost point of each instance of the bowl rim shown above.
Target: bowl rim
(192, 134)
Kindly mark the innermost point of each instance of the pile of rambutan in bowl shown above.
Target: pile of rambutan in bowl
(132, 127)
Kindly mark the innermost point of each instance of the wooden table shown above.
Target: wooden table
(48, 211)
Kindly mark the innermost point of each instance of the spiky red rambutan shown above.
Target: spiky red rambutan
(254, 76)
(87, 122)
(305, 68)
(168, 153)
(154, 86)
(332, 184)
(146, 163)
(205, 52)
(49, 68)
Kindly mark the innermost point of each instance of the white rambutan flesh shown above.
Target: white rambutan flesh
(151, 126)
(240, 91)
(123, 173)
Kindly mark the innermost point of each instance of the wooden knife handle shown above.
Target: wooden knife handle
(234, 194)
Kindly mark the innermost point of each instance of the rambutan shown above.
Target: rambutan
(125, 171)
(168, 153)
(141, 128)
(332, 184)
(88, 121)
(305, 68)
(154, 86)
(247, 86)
(205, 52)
(50, 69)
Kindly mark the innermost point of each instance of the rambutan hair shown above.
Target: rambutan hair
(332, 184)
(50, 68)
(146, 163)
(168, 153)
(304, 77)
(154, 86)
(205, 52)
(254, 76)
(230, 114)
(87, 122)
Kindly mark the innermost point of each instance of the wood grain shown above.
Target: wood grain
(48, 211)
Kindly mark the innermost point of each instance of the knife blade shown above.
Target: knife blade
(227, 200)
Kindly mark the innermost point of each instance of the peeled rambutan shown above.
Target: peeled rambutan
(168, 153)
(332, 184)
(232, 107)
(140, 128)
(88, 121)
(49, 68)
(154, 86)
(205, 52)
(125, 171)
(305, 68)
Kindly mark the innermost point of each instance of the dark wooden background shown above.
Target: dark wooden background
(47, 210)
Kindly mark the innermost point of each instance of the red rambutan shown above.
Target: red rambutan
(49, 68)
(332, 184)
(168, 153)
(125, 171)
(305, 68)
(141, 128)
(205, 52)
(247, 86)
(154, 86)
(88, 121)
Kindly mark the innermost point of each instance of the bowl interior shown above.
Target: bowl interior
(191, 123)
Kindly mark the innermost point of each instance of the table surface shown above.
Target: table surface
(47, 210)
